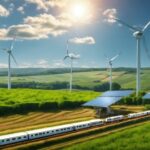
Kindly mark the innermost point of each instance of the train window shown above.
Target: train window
(52, 131)
(40, 133)
(24, 137)
(3, 140)
(36, 134)
(8, 140)
(13, 138)
(19, 138)
(47, 132)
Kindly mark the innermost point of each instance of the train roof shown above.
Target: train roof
(49, 128)
(115, 116)
(13, 135)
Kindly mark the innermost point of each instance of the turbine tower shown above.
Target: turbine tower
(138, 33)
(72, 57)
(10, 55)
(110, 63)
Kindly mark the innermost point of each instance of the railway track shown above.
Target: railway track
(59, 139)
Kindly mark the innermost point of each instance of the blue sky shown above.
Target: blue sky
(43, 27)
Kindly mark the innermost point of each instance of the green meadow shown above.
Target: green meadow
(136, 138)
(26, 100)
(87, 79)
(16, 96)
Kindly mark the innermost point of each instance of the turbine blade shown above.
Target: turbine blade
(125, 24)
(146, 26)
(12, 43)
(13, 58)
(114, 58)
(66, 57)
(67, 48)
(145, 47)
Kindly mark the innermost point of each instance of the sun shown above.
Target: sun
(79, 11)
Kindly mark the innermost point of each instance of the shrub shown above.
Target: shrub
(105, 87)
(147, 107)
(47, 106)
(5, 110)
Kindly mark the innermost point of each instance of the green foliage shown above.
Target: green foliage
(106, 86)
(134, 138)
(133, 100)
(26, 100)
(147, 107)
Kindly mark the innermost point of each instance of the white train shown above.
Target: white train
(114, 118)
(51, 131)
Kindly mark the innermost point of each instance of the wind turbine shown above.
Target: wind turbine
(72, 57)
(138, 33)
(10, 55)
(110, 63)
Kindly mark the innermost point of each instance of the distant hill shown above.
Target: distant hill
(48, 71)
(83, 78)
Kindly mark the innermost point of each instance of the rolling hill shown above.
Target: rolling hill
(85, 78)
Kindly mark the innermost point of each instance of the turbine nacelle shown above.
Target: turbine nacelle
(138, 34)
(110, 63)
(74, 56)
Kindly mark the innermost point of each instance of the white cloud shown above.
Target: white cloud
(3, 11)
(3, 33)
(42, 64)
(11, 7)
(49, 24)
(110, 14)
(83, 40)
(21, 9)
(25, 65)
(38, 27)
(46, 4)
(58, 64)
(3, 65)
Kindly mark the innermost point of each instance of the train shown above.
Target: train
(52, 131)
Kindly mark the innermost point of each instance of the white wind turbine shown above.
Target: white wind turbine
(138, 33)
(72, 57)
(10, 54)
(110, 63)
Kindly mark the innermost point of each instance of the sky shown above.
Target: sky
(42, 28)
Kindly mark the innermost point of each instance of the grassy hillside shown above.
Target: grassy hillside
(14, 96)
(27, 100)
(134, 138)
(90, 78)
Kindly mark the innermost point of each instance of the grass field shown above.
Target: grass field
(134, 138)
(17, 96)
(35, 120)
(88, 79)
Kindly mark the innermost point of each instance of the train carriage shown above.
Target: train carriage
(50, 131)
(13, 138)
